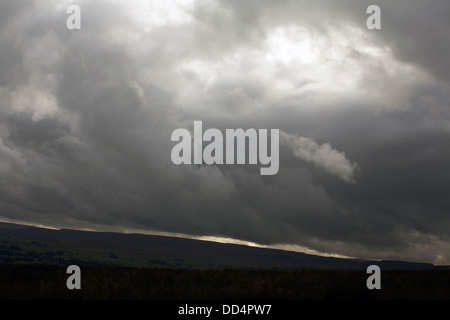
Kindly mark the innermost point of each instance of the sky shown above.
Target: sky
(86, 118)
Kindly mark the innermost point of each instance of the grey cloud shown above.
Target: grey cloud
(323, 156)
(86, 119)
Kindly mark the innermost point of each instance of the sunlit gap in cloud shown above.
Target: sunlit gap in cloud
(156, 13)
(289, 44)
(218, 239)
(279, 246)
(30, 224)
(293, 61)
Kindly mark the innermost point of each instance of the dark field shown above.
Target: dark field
(19, 281)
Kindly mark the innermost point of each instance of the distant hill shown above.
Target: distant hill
(24, 244)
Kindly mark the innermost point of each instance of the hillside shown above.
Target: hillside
(23, 244)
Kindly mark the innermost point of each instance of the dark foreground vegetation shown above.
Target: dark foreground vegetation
(20, 281)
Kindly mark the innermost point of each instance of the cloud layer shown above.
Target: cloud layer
(323, 156)
(86, 118)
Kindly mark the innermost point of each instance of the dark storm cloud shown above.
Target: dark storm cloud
(86, 118)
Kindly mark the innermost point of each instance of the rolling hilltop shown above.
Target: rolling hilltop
(24, 244)
(33, 264)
